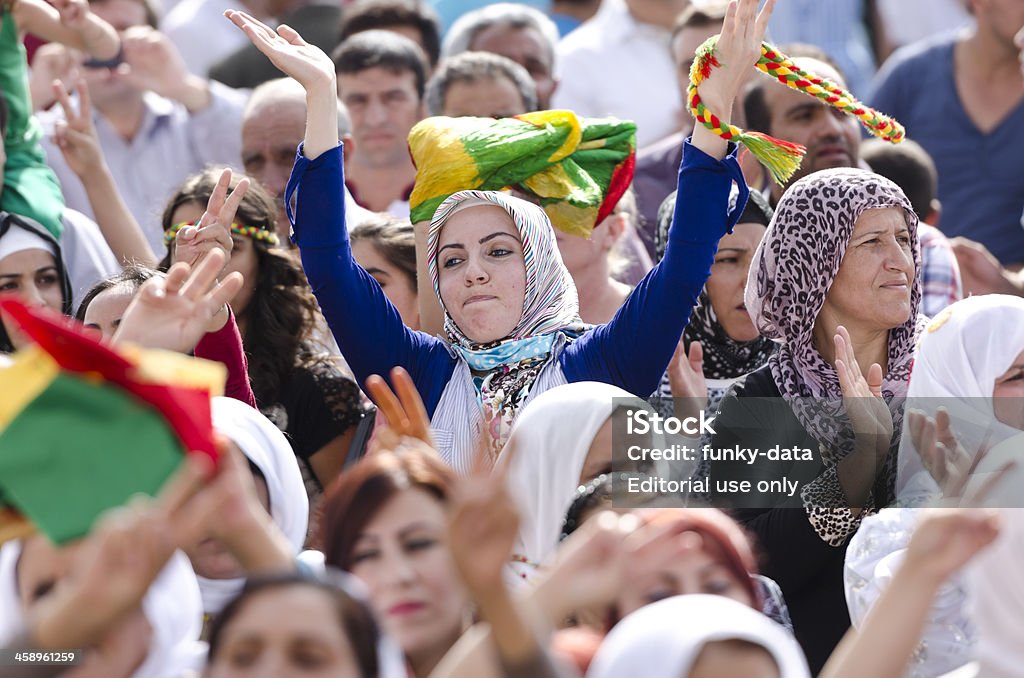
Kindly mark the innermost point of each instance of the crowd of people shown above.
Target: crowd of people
(442, 252)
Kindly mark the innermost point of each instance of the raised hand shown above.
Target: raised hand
(75, 136)
(229, 509)
(862, 397)
(173, 313)
(405, 416)
(738, 49)
(52, 61)
(296, 58)
(213, 230)
(947, 539)
(686, 377)
(73, 13)
(943, 456)
(483, 523)
(152, 62)
(308, 65)
(98, 37)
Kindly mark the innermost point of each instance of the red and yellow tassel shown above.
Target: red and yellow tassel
(782, 158)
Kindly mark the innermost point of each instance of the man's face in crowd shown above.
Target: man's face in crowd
(526, 47)
(270, 134)
(1005, 17)
(106, 85)
(483, 98)
(384, 106)
(684, 47)
(832, 138)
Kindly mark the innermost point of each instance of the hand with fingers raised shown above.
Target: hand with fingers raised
(75, 135)
(862, 397)
(936, 443)
(310, 67)
(686, 377)
(173, 313)
(296, 58)
(483, 523)
(213, 230)
(946, 539)
(405, 416)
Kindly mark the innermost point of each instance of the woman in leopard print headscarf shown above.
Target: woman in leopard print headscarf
(835, 282)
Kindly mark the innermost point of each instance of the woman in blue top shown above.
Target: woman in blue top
(511, 310)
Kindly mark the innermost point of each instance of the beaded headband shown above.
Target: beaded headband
(254, 232)
(782, 158)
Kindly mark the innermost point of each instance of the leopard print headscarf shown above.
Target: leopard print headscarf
(790, 276)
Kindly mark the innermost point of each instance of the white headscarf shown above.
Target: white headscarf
(664, 639)
(875, 554)
(552, 437)
(172, 606)
(12, 622)
(995, 588)
(960, 355)
(265, 446)
(18, 239)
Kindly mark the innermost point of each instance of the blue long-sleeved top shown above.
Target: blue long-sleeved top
(631, 351)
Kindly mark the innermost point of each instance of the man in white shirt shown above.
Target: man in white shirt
(619, 64)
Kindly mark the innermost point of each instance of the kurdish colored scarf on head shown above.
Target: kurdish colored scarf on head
(789, 278)
(505, 370)
(576, 168)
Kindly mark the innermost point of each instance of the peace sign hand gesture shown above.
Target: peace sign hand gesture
(213, 230)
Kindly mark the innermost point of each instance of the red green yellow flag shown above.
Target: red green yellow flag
(84, 427)
(577, 168)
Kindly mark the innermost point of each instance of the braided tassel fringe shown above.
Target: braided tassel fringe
(782, 158)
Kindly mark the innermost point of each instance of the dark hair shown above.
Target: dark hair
(283, 312)
(471, 67)
(755, 107)
(368, 15)
(8, 221)
(133, 275)
(358, 494)
(382, 49)
(909, 166)
(702, 16)
(354, 616)
(393, 238)
(152, 14)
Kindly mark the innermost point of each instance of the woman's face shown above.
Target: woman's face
(396, 285)
(285, 631)
(873, 287)
(32, 275)
(1008, 395)
(106, 309)
(243, 256)
(729, 279)
(734, 658)
(481, 272)
(403, 559)
(579, 253)
(700, 570)
(210, 558)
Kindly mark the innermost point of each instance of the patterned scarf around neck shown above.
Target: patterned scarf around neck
(505, 370)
